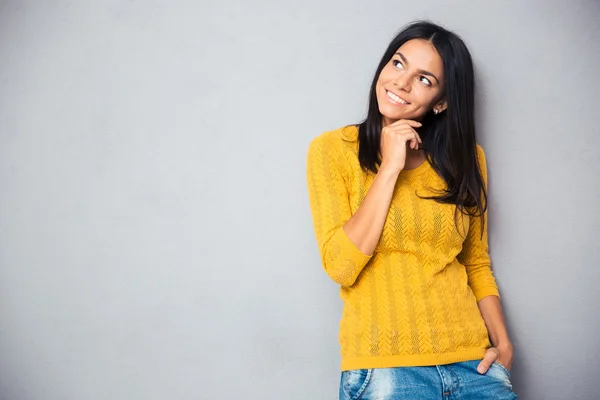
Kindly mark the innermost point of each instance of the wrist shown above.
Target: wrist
(386, 170)
(505, 347)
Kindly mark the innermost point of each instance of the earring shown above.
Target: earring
(435, 111)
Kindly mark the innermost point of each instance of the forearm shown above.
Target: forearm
(491, 311)
(365, 226)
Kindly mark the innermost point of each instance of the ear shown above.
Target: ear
(441, 106)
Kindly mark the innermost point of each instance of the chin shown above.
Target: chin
(394, 116)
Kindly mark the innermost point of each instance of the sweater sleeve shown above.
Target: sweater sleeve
(474, 254)
(330, 208)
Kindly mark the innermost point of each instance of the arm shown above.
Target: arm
(491, 311)
(502, 349)
(475, 254)
(475, 257)
(346, 242)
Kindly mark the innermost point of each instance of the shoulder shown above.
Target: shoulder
(335, 149)
(482, 161)
(337, 137)
(334, 141)
(480, 155)
(480, 152)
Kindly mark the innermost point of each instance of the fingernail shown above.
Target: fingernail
(481, 370)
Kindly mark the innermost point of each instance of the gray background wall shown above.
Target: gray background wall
(155, 235)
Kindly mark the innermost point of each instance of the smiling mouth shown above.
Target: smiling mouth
(395, 98)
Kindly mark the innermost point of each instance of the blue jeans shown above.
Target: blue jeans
(457, 381)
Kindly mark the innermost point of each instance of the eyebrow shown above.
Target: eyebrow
(423, 72)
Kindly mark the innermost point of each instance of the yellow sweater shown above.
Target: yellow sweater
(414, 301)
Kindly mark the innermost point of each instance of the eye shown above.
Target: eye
(425, 81)
(395, 63)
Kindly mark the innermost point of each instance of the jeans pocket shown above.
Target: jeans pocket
(355, 382)
(503, 368)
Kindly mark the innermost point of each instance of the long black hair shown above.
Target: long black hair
(448, 138)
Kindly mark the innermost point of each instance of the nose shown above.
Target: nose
(402, 81)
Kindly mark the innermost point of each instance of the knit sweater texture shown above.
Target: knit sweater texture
(413, 302)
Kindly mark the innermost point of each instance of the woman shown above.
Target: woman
(399, 208)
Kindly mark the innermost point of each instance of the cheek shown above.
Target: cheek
(379, 87)
(384, 76)
(426, 97)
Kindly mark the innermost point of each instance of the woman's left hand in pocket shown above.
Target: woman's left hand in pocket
(503, 355)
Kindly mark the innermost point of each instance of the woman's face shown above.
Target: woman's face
(411, 84)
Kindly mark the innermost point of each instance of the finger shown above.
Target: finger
(407, 130)
(488, 359)
(406, 133)
(417, 140)
(410, 122)
(408, 139)
(413, 138)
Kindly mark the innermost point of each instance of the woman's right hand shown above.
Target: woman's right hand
(393, 143)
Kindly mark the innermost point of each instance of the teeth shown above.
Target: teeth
(396, 98)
